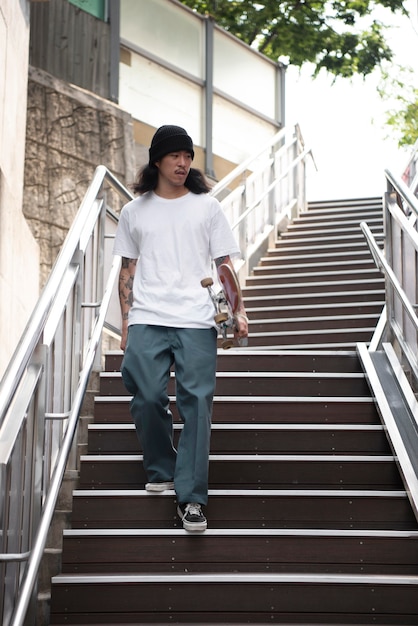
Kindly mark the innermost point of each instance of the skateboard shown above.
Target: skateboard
(225, 303)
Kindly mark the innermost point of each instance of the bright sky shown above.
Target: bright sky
(344, 123)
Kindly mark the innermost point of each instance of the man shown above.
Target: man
(167, 238)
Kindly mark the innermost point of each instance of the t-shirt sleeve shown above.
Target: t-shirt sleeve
(124, 244)
(222, 241)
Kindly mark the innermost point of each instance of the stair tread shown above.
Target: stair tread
(301, 275)
(254, 399)
(254, 458)
(249, 578)
(258, 427)
(242, 532)
(258, 493)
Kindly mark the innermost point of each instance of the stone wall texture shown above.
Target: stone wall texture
(69, 133)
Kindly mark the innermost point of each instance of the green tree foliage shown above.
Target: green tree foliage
(342, 36)
(398, 89)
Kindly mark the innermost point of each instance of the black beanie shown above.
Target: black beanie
(169, 139)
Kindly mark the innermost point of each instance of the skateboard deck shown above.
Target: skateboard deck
(230, 286)
(225, 302)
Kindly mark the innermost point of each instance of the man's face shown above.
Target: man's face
(174, 167)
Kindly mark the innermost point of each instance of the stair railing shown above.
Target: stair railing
(399, 264)
(396, 336)
(42, 391)
(266, 192)
(41, 395)
(410, 175)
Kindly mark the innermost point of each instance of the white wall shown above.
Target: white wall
(19, 254)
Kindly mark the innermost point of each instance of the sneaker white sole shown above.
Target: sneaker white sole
(192, 527)
(158, 487)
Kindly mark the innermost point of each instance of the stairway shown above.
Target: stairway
(309, 522)
(319, 288)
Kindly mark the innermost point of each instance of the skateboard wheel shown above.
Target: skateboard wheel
(206, 282)
(221, 317)
(227, 343)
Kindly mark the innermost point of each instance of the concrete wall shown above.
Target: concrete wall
(19, 254)
(70, 132)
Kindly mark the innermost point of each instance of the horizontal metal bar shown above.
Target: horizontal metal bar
(257, 493)
(58, 416)
(14, 558)
(91, 305)
(243, 532)
(230, 579)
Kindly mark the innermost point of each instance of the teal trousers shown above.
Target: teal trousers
(150, 353)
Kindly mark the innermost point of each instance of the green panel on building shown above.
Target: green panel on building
(94, 7)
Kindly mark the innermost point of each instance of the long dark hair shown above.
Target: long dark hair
(147, 180)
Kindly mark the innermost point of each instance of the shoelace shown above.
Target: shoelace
(193, 509)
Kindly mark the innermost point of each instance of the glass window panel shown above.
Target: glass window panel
(244, 75)
(165, 30)
(236, 133)
(156, 96)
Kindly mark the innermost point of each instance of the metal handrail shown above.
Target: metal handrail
(42, 390)
(401, 249)
(245, 165)
(36, 323)
(392, 353)
(50, 501)
(267, 188)
(271, 187)
(32, 426)
(390, 275)
(403, 190)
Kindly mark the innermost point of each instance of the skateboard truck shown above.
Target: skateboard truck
(225, 303)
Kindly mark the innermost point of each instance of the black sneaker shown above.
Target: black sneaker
(192, 517)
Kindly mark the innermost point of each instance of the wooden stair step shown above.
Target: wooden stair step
(315, 276)
(348, 255)
(320, 322)
(300, 239)
(279, 409)
(249, 508)
(263, 384)
(349, 204)
(324, 218)
(292, 268)
(266, 471)
(345, 337)
(240, 550)
(242, 359)
(325, 230)
(319, 287)
(313, 311)
(243, 598)
(305, 249)
(259, 438)
(267, 297)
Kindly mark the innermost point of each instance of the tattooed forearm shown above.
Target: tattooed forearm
(126, 281)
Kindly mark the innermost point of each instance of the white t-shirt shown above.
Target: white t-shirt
(174, 241)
